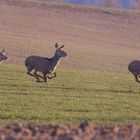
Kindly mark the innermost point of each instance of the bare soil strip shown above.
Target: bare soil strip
(85, 131)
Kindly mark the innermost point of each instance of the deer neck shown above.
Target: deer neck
(54, 63)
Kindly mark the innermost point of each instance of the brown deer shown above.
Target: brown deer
(46, 66)
(134, 68)
(3, 56)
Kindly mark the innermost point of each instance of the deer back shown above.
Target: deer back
(134, 67)
(38, 63)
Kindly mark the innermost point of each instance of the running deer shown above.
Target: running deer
(3, 56)
(134, 68)
(46, 66)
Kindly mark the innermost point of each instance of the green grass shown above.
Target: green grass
(71, 97)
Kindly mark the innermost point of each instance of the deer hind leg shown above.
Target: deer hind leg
(137, 78)
(29, 73)
(52, 76)
(37, 75)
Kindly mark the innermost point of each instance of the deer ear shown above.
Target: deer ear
(56, 46)
(2, 51)
(61, 47)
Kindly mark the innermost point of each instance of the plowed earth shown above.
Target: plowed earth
(95, 39)
(85, 131)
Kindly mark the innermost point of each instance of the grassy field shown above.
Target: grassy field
(69, 98)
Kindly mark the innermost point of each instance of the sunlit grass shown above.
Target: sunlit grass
(69, 98)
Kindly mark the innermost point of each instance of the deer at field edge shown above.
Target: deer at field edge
(3, 56)
(134, 68)
(46, 66)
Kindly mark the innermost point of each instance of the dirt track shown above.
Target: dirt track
(85, 131)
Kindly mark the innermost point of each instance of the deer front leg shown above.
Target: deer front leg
(54, 75)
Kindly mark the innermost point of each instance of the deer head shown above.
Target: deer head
(3, 56)
(59, 51)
